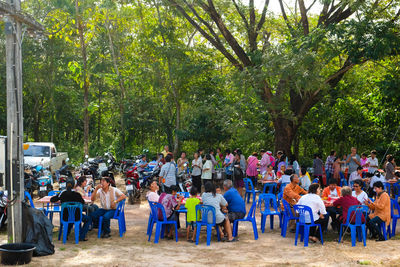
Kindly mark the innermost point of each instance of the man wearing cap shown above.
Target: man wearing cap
(71, 196)
(109, 198)
(264, 161)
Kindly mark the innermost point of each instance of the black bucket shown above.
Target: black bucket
(16, 253)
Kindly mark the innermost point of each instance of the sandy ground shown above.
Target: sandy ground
(270, 249)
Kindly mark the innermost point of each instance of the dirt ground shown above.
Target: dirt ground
(270, 249)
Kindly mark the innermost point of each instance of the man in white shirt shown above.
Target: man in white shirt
(109, 198)
(314, 201)
(356, 175)
(372, 162)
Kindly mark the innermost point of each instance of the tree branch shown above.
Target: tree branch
(304, 19)
(253, 34)
(286, 18)
(262, 19)
(241, 15)
(215, 16)
(213, 41)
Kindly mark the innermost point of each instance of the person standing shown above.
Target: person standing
(353, 160)
(168, 174)
(219, 157)
(329, 165)
(251, 171)
(372, 162)
(317, 166)
(390, 168)
(214, 162)
(181, 162)
(265, 161)
(238, 173)
(206, 174)
(227, 163)
(197, 166)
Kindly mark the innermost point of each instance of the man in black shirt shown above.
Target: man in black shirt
(71, 196)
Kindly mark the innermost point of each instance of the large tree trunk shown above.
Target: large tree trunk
(284, 135)
(120, 82)
(84, 77)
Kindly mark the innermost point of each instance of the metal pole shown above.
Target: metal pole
(15, 182)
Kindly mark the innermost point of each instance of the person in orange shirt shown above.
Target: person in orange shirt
(381, 211)
(332, 191)
(292, 193)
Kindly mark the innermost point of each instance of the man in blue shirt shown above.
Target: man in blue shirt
(236, 205)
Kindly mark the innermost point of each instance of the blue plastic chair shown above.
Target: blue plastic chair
(394, 206)
(251, 217)
(270, 209)
(118, 215)
(70, 207)
(357, 212)
(287, 216)
(303, 226)
(248, 184)
(206, 212)
(160, 223)
(388, 188)
(28, 196)
(151, 222)
(52, 207)
(271, 187)
(315, 181)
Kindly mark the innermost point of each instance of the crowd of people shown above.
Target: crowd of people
(298, 186)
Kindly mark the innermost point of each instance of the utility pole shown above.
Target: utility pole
(14, 19)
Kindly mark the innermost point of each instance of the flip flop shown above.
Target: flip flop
(233, 240)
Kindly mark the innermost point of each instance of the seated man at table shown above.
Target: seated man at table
(236, 205)
(344, 202)
(109, 198)
(71, 196)
(171, 204)
(292, 193)
(332, 191)
(314, 201)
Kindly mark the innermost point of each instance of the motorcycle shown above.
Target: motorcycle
(3, 208)
(30, 179)
(45, 182)
(62, 175)
(132, 184)
(184, 180)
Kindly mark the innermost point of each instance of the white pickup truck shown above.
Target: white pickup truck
(44, 154)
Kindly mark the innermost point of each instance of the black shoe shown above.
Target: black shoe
(380, 239)
(107, 235)
(83, 239)
(293, 230)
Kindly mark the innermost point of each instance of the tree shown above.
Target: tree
(294, 61)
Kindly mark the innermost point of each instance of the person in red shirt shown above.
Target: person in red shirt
(345, 202)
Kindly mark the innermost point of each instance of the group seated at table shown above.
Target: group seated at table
(334, 203)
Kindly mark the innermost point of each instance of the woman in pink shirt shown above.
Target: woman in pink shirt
(251, 171)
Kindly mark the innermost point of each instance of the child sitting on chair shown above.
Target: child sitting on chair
(191, 214)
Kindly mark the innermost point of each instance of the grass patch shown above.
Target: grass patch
(364, 262)
(62, 249)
